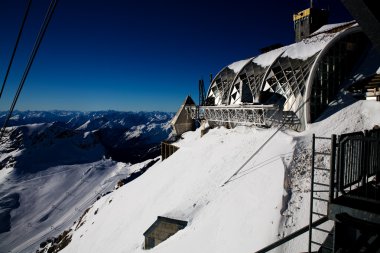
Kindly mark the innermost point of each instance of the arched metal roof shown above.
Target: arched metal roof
(285, 76)
(221, 84)
(251, 77)
(352, 30)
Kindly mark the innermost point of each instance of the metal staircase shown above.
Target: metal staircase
(344, 195)
(321, 230)
(322, 159)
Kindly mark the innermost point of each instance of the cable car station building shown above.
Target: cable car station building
(293, 84)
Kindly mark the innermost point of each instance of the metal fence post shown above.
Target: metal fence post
(311, 192)
(332, 167)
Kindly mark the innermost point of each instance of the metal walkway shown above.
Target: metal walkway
(259, 115)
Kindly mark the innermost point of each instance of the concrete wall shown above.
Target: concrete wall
(183, 122)
(162, 232)
(167, 150)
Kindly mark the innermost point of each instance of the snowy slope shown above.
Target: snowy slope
(50, 172)
(242, 216)
(52, 200)
(188, 186)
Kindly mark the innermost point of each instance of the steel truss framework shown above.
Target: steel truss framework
(288, 78)
(333, 69)
(259, 115)
(220, 87)
(251, 77)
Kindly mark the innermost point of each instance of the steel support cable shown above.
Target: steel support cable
(264, 144)
(16, 46)
(32, 56)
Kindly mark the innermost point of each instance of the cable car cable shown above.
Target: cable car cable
(16, 46)
(32, 56)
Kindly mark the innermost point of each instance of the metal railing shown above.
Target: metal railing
(291, 236)
(354, 167)
(350, 165)
(358, 165)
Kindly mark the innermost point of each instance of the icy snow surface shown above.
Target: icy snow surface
(267, 59)
(237, 66)
(52, 200)
(308, 47)
(329, 27)
(242, 216)
(188, 186)
(311, 45)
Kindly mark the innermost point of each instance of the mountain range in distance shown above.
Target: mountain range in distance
(51, 138)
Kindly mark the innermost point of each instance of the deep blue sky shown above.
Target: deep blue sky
(133, 55)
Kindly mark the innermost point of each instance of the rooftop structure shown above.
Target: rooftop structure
(308, 21)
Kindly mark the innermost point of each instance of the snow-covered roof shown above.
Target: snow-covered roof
(267, 58)
(330, 27)
(238, 65)
(308, 47)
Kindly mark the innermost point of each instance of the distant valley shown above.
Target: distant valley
(55, 164)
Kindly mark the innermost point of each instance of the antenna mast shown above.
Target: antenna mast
(201, 92)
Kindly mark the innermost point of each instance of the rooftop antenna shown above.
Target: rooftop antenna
(202, 92)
